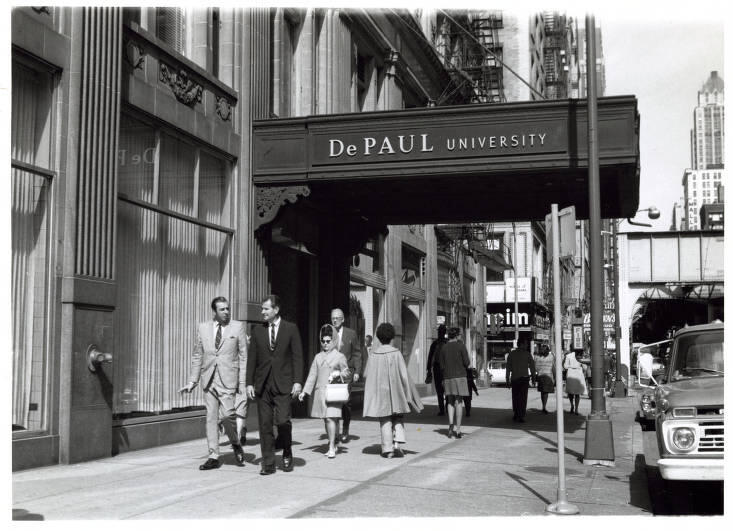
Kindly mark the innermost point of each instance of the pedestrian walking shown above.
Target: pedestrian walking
(219, 360)
(544, 364)
(574, 381)
(347, 343)
(329, 365)
(519, 367)
(388, 392)
(274, 373)
(453, 358)
(434, 375)
(471, 375)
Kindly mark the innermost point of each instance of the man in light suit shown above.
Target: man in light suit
(274, 377)
(220, 361)
(349, 346)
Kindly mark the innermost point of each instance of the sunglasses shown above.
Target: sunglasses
(326, 340)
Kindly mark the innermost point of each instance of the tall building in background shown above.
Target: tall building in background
(701, 181)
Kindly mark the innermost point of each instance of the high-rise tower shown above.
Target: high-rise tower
(707, 150)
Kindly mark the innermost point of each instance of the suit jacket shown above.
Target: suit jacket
(230, 358)
(284, 364)
(351, 349)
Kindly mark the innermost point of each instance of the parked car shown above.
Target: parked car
(497, 372)
(689, 406)
(651, 364)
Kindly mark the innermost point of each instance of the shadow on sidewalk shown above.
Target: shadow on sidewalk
(482, 417)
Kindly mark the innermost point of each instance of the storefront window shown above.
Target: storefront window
(32, 92)
(174, 245)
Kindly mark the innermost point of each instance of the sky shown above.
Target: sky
(664, 63)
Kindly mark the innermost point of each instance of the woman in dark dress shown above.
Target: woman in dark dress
(453, 359)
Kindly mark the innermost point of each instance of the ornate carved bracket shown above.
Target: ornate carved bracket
(269, 199)
(185, 90)
(134, 54)
(223, 109)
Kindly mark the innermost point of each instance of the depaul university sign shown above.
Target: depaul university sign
(500, 152)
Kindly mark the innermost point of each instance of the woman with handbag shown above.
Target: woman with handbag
(327, 377)
(388, 392)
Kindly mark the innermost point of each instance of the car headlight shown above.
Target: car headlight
(683, 438)
(663, 404)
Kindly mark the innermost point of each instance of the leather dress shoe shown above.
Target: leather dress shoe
(266, 471)
(238, 454)
(345, 437)
(210, 464)
(288, 463)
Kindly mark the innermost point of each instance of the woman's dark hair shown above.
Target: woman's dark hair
(385, 333)
(327, 331)
(454, 332)
(441, 331)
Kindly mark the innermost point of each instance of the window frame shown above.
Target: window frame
(48, 416)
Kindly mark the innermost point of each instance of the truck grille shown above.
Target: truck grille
(713, 437)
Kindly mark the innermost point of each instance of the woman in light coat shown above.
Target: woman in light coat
(328, 365)
(574, 381)
(388, 392)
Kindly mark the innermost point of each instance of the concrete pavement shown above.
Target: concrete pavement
(499, 468)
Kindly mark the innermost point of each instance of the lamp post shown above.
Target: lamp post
(653, 213)
(598, 432)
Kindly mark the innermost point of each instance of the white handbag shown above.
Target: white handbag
(337, 392)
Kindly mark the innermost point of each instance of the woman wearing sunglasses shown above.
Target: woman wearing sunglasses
(328, 365)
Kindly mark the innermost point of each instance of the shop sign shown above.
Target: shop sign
(524, 289)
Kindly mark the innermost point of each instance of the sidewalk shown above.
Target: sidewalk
(499, 468)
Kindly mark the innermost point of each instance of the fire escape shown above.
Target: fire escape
(555, 57)
(473, 51)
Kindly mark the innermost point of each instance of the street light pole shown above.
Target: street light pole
(516, 289)
(599, 432)
(619, 389)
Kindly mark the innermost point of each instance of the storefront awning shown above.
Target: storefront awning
(456, 164)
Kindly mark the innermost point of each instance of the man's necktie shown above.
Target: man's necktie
(217, 341)
(272, 337)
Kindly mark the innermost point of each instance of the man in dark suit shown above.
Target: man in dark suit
(219, 360)
(349, 346)
(274, 376)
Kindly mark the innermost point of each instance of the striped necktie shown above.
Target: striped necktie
(272, 337)
(217, 341)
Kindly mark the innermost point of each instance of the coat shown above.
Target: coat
(350, 347)
(388, 389)
(230, 359)
(323, 364)
(575, 379)
(284, 365)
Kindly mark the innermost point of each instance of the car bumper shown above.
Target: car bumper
(691, 469)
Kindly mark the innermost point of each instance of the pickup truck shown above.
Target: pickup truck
(689, 406)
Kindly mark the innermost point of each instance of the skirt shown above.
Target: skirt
(545, 384)
(456, 387)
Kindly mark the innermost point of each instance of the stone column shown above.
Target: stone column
(88, 287)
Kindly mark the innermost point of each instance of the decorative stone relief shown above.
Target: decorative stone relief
(269, 199)
(223, 109)
(134, 54)
(185, 90)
